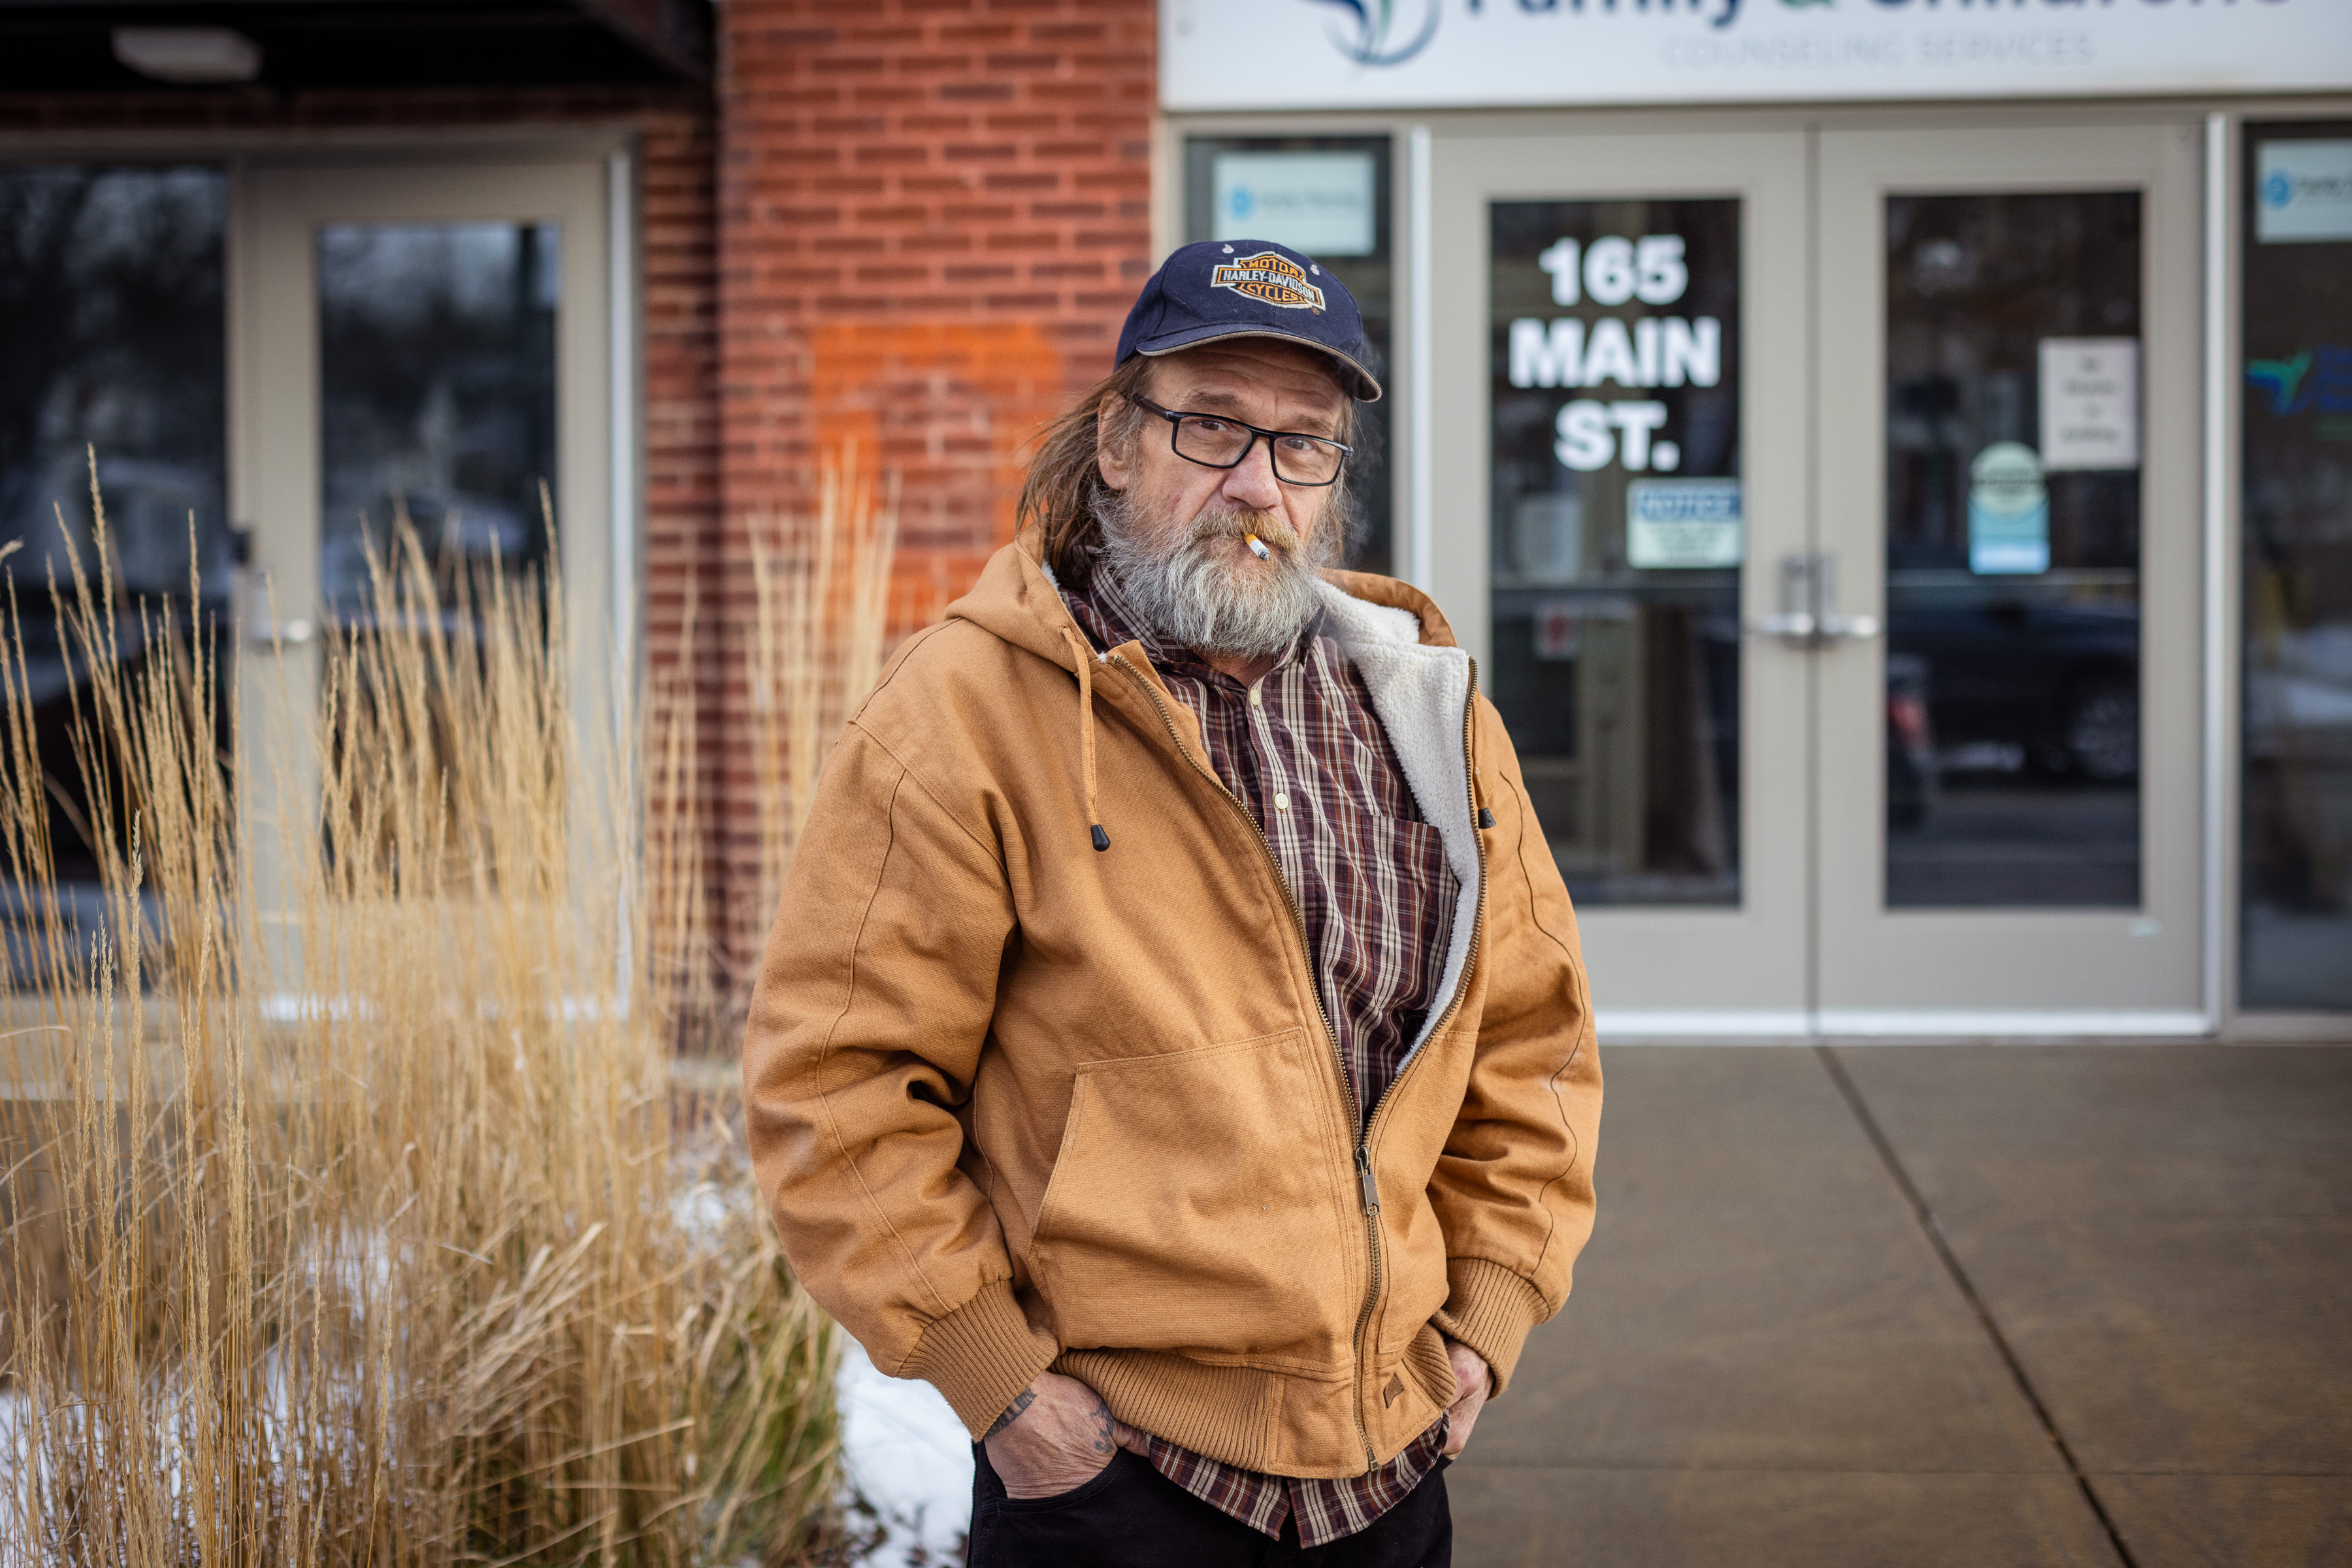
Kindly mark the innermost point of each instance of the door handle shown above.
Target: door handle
(1809, 616)
(1794, 624)
(1855, 626)
(296, 633)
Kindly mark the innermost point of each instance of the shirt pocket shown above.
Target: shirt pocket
(1195, 1208)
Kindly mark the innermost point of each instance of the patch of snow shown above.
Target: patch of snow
(16, 1458)
(910, 1457)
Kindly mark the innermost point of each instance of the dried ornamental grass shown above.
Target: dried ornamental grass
(821, 584)
(363, 1221)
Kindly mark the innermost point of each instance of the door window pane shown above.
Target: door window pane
(436, 392)
(2297, 941)
(2013, 550)
(111, 341)
(1617, 537)
(1329, 197)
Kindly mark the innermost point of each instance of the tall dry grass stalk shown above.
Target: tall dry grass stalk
(820, 584)
(362, 1221)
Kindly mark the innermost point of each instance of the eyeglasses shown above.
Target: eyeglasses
(1214, 441)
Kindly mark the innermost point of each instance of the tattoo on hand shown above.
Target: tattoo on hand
(1021, 1402)
(1104, 1442)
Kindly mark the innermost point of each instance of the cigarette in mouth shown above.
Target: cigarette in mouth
(1258, 547)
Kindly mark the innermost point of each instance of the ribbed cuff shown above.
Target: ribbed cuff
(981, 1356)
(1490, 1309)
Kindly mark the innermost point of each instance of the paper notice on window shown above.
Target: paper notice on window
(2090, 403)
(1683, 524)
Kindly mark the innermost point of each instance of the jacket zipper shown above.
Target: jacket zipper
(1360, 1122)
(1453, 1005)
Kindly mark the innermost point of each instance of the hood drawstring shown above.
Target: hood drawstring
(1087, 733)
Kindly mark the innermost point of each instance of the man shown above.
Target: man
(1172, 1043)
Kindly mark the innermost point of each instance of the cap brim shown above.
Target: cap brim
(1366, 390)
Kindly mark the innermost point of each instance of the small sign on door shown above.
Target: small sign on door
(1683, 524)
(2009, 512)
(2090, 403)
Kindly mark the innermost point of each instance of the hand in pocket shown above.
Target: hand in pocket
(1054, 1439)
(1473, 1380)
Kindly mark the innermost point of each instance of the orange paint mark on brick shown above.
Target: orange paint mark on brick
(949, 407)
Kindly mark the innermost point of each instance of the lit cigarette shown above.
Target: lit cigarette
(1258, 547)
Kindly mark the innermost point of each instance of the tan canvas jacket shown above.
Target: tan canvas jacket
(1017, 1104)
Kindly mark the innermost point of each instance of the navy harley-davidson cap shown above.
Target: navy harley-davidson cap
(1248, 289)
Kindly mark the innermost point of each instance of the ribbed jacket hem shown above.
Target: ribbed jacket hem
(981, 1356)
(1280, 1423)
(1490, 1309)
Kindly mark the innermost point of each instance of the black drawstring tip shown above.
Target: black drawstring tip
(1102, 839)
(1485, 817)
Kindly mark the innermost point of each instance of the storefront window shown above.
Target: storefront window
(437, 346)
(113, 345)
(2296, 931)
(1329, 197)
(2013, 550)
(1617, 537)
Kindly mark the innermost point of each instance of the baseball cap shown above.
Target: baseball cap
(1248, 289)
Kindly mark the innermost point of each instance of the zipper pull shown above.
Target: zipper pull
(1364, 1180)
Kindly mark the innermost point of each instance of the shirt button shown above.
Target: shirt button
(1257, 697)
(1282, 800)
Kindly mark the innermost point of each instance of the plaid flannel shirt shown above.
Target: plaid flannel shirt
(1304, 751)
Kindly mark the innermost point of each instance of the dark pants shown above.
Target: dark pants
(1131, 1516)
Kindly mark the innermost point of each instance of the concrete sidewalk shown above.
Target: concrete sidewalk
(1931, 1305)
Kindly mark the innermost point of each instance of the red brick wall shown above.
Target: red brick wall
(933, 218)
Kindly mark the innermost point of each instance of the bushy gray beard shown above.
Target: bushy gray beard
(1193, 599)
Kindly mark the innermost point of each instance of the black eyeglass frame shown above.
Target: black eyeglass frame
(1176, 419)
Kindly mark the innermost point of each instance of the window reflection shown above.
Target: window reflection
(2297, 948)
(111, 342)
(1617, 534)
(2012, 549)
(436, 394)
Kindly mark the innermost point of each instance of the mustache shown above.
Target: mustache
(1233, 522)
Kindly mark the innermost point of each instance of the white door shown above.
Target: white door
(2009, 800)
(1827, 538)
(1620, 352)
(431, 338)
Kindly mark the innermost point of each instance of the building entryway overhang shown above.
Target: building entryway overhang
(309, 46)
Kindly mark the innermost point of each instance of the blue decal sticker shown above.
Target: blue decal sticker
(2009, 512)
(2284, 381)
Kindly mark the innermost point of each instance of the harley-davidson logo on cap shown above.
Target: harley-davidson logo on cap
(1271, 279)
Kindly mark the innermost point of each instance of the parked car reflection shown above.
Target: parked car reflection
(1911, 767)
(2024, 676)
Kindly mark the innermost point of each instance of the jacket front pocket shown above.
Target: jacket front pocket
(1195, 1206)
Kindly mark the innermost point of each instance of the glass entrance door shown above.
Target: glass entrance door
(1827, 540)
(2007, 799)
(1619, 355)
(426, 342)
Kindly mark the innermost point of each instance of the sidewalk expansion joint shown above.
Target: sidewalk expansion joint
(1928, 1227)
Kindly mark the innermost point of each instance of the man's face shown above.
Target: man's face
(1179, 532)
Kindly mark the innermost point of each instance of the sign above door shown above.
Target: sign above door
(1357, 54)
